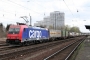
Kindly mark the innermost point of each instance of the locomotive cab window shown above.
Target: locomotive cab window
(14, 31)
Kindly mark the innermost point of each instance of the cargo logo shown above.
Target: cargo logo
(35, 34)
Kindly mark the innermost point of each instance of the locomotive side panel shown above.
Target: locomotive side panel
(31, 34)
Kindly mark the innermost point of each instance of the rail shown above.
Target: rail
(47, 58)
(67, 58)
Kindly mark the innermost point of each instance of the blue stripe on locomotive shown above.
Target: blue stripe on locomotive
(35, 34)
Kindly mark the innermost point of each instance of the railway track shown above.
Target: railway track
(3, 43)
(23, 51)
(64, 53)
(6, 53)
(4, 48)
(42, 54)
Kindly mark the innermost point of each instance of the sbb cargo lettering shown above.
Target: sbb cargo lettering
(35, 34)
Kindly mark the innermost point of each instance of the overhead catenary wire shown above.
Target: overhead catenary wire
(74, 5)
(7, 12)
(20, 6)
(29, 8)
(39, 5)
(3, 11)
(68, 8)
(9, 1)
(24, 7)
(76, 8)
(15, 14)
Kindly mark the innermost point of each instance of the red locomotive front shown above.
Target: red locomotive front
(14, 35)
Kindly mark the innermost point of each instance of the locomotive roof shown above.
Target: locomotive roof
(37, 27)
(28, 27)
(17, 26)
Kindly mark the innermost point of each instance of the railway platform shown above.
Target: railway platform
(84, 52)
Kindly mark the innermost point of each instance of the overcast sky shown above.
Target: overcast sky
(77, 12)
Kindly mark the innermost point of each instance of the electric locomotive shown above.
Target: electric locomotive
(23, 34)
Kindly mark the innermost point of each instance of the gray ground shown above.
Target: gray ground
(84, 53)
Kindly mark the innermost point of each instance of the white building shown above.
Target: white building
(55, 20)
(39, 23)
(58, 19)
(47, 21)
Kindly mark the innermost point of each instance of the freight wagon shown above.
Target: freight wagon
(58, 34)
(55, 34)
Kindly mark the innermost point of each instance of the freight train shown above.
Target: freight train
(24, 35)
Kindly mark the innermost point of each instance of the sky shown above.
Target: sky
(77, 12)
